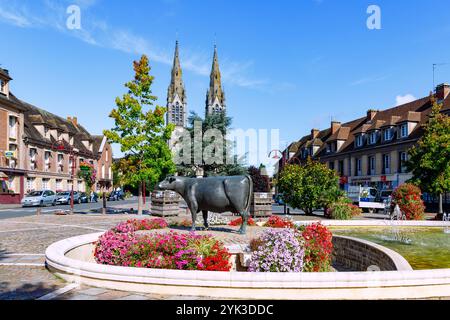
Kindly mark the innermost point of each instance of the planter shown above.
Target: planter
(165, 204)
(261, 205)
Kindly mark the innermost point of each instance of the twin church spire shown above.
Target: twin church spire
(176, 94)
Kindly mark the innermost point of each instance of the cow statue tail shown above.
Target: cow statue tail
(250, 193)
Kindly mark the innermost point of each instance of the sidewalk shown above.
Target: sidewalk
(10, 206)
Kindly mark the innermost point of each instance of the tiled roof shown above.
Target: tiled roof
(37, 116)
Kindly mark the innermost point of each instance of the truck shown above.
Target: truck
(366, 198)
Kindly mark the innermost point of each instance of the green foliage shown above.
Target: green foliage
(429, 159)
(343, 209)
(222, 123)
(308, 187)
(141, 132)
(260, 182)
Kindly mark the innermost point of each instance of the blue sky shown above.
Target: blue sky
(288, 65)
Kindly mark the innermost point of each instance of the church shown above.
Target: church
(176, 94)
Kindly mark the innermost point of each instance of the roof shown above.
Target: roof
(36, 116)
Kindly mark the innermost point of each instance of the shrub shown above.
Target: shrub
(343, 210)
(278, 222)
(238, 222)
(318, 248)
(280, 251)
(409, 198)
(260, 182)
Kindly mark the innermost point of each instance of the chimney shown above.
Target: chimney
(73, 120)
(314, 133)
(371, 114)
(335, 125)
(442, 91)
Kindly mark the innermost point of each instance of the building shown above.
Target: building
(39, 149)
(215, 96)
(371, 150)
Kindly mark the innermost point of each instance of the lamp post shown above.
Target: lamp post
(60, 146)
(283, 162)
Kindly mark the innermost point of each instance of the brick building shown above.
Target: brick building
(30, 158)
(371, 150)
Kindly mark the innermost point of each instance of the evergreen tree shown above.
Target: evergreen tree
(223, 167)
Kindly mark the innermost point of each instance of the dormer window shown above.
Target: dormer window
(373, 137)
(2, 86)
(46, 130)
(404, 130)
(13, 127)
(359, 140)
(388, 134)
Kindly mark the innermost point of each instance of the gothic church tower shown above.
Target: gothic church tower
(215, 96)
(176, 95)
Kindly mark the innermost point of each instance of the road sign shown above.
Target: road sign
(9, 154)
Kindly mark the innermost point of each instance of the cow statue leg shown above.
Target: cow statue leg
(205, 219)
(244, 215)
(194, 210)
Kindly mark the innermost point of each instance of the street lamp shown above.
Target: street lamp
(62, 147)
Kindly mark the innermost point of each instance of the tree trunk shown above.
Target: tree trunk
(140, 200)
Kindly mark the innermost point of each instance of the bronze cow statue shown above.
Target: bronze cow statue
(215, 194)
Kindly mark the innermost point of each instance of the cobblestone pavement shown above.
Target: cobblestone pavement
(23, 241)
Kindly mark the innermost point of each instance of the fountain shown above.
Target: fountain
(395, 234)
(446, 218)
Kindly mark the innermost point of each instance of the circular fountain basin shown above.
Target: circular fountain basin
(73, 260)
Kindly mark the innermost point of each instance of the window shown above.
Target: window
(359, 140)
(2, 86)
(404, 130)
(60, 163)
(386, 164)
(58, 184)
(358, 167)
(107, 154)
(373, 137)
(372, 165)
(46, 132)
(30, 184)
(403, 158)
(45, 183)
(388, 134)
(12, 162)
(341, 167)
(13, 127)
(47, 159)
(331, 165)
(103, 171)
(33, 163)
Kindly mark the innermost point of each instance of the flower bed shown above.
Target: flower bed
(238, 222)
(409, 199)
(121, 246)
(278, 251)
(318, 248)
(308, 249)
(278, 222)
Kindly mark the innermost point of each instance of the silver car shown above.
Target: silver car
(39, 198)
(64, 197)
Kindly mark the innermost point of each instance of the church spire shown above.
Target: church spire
(215, 97)
(176, 95)
(176, 83)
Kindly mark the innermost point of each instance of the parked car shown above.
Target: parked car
(84, 198)
(64, 197)
(39, 198)
(116, 196)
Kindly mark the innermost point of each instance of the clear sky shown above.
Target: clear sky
(288, 65)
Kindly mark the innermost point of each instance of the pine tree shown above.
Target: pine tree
(141, 133)
(429, 160)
